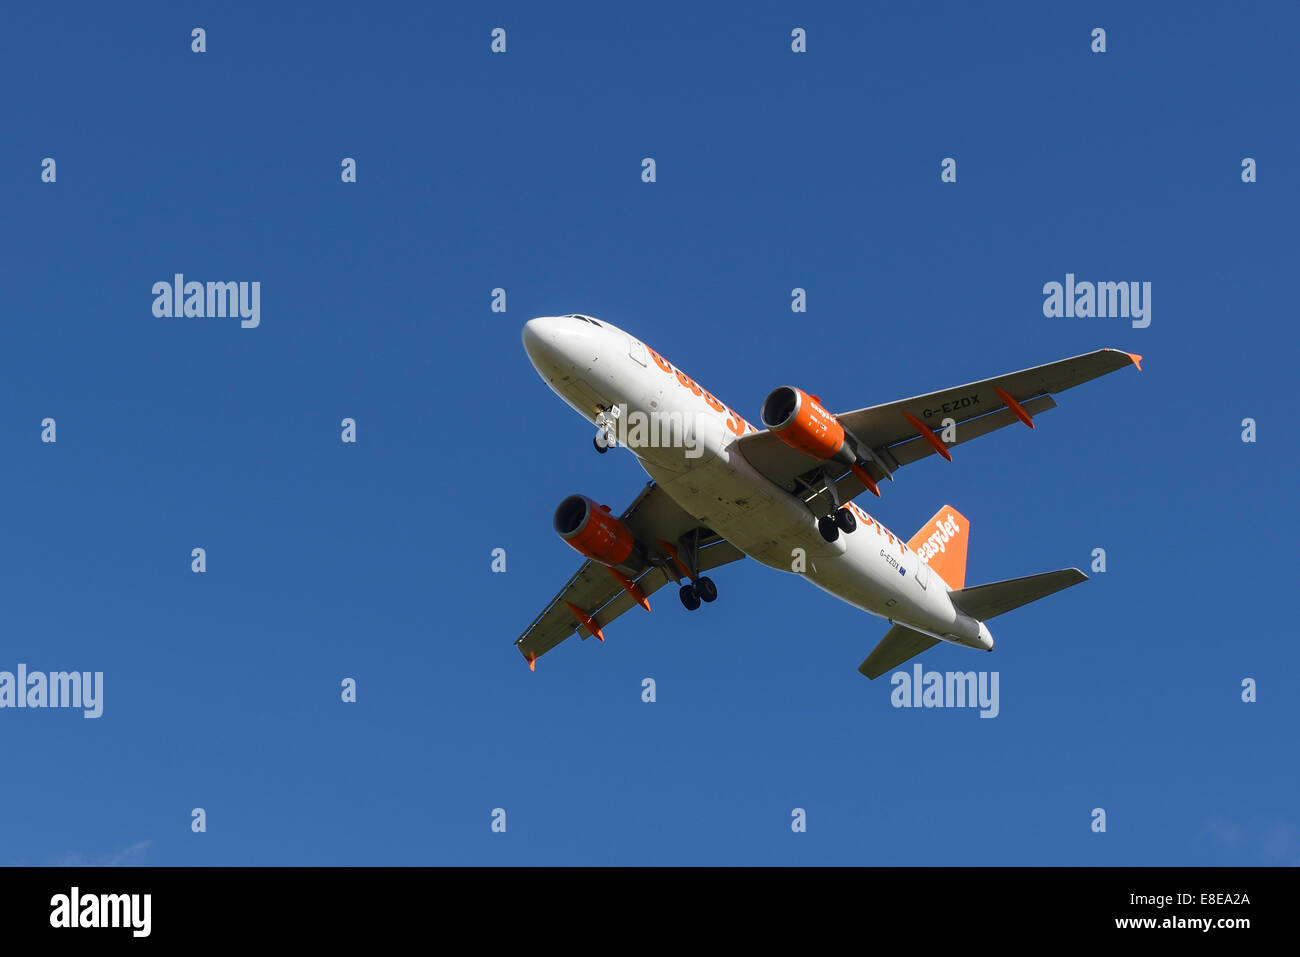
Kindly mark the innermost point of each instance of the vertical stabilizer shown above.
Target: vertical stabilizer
(941, 544)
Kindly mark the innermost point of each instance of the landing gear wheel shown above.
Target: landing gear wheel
(689, 597)
(599, 443)
(826, 525)
(845, 520)
(705, 588)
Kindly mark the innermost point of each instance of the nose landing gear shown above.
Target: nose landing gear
(607, 437)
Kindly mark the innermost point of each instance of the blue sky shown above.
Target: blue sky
(522, 171)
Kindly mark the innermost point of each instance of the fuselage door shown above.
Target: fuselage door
(922, 571)
(636, 349)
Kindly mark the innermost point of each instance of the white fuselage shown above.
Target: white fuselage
(687, 443)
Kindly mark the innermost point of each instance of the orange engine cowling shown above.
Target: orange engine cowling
(800, 421)
(592, 531)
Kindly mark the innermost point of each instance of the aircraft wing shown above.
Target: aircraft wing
(652, 517)
(891, 434)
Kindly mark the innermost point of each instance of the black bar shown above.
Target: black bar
(334, 906)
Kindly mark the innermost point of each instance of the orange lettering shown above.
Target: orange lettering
(687, 382)
(659, 360)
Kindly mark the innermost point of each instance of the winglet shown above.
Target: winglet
(590, 625)
(1133, 357)
(532, 662)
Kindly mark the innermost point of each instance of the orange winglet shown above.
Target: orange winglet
(532, 662)
(1137, 360)
(631, 587)
(590, 625)
(672, 550)
(865, 479)
(935, 442)
(1015, 407)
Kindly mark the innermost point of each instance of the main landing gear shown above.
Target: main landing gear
(702, 589)
(687, 560)
(841, 520)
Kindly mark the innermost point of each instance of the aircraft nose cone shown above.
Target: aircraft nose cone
(541, 337)
(555, 341)
(533, 336)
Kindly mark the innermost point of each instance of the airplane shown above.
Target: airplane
(722, 489)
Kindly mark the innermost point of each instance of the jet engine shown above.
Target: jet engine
(593, 532)
(801, 422)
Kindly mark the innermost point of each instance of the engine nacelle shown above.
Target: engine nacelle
(801, 422)
(596, 534)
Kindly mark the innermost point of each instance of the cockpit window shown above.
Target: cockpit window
(585, 319)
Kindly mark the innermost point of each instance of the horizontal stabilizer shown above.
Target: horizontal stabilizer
(899, 644)
(983, 602)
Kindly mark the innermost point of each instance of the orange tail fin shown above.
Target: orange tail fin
(941, 544)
